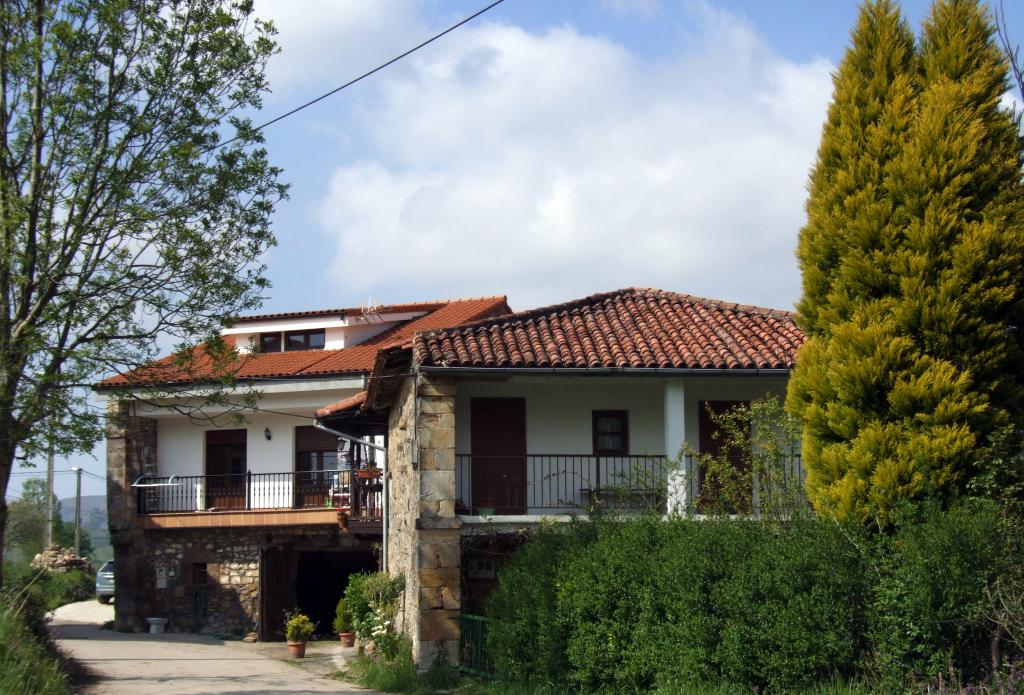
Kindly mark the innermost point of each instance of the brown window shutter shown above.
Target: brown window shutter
(309, 438)
(225, 437)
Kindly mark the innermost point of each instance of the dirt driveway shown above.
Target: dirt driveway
(129, 664)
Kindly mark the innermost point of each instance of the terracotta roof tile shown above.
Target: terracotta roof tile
(311, 363)
(349, 403)
(630, 328)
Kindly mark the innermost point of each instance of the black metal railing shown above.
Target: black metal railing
(356, 492)
(559, 483)
(569, 483)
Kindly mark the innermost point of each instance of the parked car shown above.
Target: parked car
(105, 582)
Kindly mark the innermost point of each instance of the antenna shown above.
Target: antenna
(372, 312)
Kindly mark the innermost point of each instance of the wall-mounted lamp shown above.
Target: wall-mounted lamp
(266, 433)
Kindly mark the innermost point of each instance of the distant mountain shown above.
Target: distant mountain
(94, 510)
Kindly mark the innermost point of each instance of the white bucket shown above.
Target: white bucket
(156, 625)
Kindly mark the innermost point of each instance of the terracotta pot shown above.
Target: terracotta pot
(367, 473)
(296, 650)
(348, 639)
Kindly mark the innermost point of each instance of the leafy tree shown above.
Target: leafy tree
(121, 220)
(912, 292)
(26, 518)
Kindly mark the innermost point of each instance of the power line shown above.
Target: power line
(380, 67)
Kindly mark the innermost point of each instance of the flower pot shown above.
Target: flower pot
(296, 650)
(368, 473)
(348, 639)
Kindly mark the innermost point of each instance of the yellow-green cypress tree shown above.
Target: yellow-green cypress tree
(911, 310)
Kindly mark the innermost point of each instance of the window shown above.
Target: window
(200, 575)
(316, 455)
(304, 340)
(611, 433)
(270, 342)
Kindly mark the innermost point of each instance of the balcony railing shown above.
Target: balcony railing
(558, 483)
(356, 492)
(571, 483)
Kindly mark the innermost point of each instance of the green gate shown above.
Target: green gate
(473, 655)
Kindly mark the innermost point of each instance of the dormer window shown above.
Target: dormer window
(304, 340)
(270, 342)
(292, 340)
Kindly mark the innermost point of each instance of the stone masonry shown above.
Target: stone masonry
(424, 542)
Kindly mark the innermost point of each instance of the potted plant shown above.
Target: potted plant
(343, 624)
(298, 631)
(371, 471)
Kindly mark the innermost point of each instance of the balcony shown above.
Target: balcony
(558, 483)
(561, 484)
(356, 493)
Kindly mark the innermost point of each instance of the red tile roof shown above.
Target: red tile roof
(348, 311)
(629, 328)
(349, 403)
(310, 363)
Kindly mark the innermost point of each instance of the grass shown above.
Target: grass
(28, 661)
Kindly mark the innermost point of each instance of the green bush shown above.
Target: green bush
(342, 617)
(299, 628)
(647, 604)
(790, 605)
(527, 638)
(373, 601)
(28, 661)
(930, 606)
(358, 606)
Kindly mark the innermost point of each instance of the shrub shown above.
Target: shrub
(685, 605)
(373, 600)
(930, 606)
(527, 635)
(358, 606)
(299, 627)
(790, 605)
(342, 617)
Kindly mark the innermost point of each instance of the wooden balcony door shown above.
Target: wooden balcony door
(225, 466)
(711, 442)
(498, 447)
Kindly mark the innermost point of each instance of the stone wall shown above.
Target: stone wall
(424, 538)
(131, 452)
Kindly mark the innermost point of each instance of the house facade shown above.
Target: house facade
(224, 511)
(497, 425)
(488, 423)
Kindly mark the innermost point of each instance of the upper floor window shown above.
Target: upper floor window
(304, 340)
(611, 433)
(292, 340)
(270, 342)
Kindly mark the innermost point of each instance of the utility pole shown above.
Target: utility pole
(48, 526)
(78, 511)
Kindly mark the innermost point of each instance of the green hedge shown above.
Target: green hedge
(631, 606)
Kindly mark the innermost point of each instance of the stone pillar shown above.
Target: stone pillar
(131, 452)
(438, 552)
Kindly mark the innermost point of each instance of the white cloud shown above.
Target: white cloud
(551, 165)
(325, 43)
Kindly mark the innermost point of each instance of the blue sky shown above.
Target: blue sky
(548, 150)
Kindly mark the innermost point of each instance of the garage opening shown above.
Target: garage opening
(322, 578)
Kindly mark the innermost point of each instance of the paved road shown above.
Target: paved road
(129, 664)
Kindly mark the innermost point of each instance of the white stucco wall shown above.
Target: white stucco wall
(559, 411)
(663, 412)
(181, 443)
